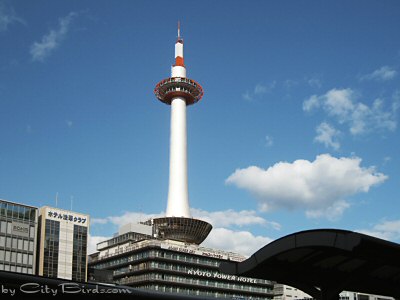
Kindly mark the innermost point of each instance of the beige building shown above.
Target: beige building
(63, 239)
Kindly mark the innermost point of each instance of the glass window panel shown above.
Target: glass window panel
(23, 269)
(14, 243)
(9, 227)
(8, 242)
(3, 227)
(19, 269)
(32, 232)
(32, 214)
(13, 257)
(15, 211)
(19, 258)
(26, 245)
(7, 256)
(31, 246)
(27, 212)
(6, 267)
(1, 255)
(12, 268)
(30, 259)
(1, 267)
(21, 212)
(25, 258)
(9, 211)
(3, 208)
(29, 270)
(20, 244)
(2, 241)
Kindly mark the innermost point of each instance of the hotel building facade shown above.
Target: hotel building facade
(139, 259)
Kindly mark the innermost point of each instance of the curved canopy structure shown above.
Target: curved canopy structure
(325, 262)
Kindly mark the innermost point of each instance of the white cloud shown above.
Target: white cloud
(125, 218)
(332, 213)
(327, 135)
(8, 17)
(258, 91)
(387, 230)
(314, 82)
(311, 103)
(69, 123)
(320, 186)
(342, 105)
(40, 50)
(269, 141)
(242, 242)
(93, 241)
(382, 74)
(231, 217)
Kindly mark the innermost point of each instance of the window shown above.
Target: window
(20, 243)
(7, 256)
(9, 227)
(31, 246)
(2, 241)
(8, 242)
(26, 245)
(32, 232)
(19, 258)
(1, 255)
(14, 243)
(24, 258)
(3, 228)
(3, 207)
(13, 257)
(30, 259)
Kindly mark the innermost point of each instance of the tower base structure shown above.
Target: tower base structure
(187, 230)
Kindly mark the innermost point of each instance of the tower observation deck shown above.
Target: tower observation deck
(178, 91)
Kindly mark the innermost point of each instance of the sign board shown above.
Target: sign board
(20, 229)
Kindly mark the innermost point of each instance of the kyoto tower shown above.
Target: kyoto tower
(178, 91)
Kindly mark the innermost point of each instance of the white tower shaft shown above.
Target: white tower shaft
(178, 196)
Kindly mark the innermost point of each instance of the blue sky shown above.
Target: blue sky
(298, 127)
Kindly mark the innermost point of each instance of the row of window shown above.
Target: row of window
(16, 243)
(16, 211)
(51, 243)
(79, 253)
(19, 269)
(194, 281)
(199, 292)
(159, 254)
(16, 257)
(6, 228)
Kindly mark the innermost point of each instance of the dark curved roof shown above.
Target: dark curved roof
(325, 262)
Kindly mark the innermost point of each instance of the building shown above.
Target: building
(286, 292)
(137, 259)
(18, 227)
(62, 244)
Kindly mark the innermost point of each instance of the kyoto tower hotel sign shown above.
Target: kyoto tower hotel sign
(178, 91)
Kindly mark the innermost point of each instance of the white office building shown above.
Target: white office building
(63, 238)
